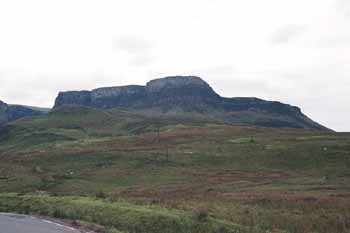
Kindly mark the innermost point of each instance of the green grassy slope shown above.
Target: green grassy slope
(77, 122)
(262, 179)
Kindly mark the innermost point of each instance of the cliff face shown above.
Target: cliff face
(183, 93)
(176, 82)
(74, 97)
(13, 112)
(178, 94)
(110, 97)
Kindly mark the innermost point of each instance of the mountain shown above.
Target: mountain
(190, 94)
(13, 112)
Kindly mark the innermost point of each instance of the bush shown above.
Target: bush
(201, 215)
(101, 194)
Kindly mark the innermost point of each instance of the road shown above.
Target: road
(14, 223)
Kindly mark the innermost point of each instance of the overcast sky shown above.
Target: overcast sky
(293, 51)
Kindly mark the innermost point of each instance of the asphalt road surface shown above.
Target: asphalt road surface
(15, 223)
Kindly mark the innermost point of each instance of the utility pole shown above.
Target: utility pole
(158, 133)
(167, 152)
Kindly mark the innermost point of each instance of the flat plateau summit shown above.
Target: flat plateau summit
(189, 94)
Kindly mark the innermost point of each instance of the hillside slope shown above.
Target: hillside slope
(74, 122)
(190, 94)
(263, 179)
(13, 112)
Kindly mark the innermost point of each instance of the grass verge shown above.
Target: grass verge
(120, 215)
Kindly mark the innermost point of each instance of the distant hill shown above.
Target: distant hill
(13, 112)
(40, 109)
(190, 94)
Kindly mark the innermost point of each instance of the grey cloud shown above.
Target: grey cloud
(343, 6)
(138, 49)
(17, 86)
(333, 42)
(287, 33)
(141, 60)
(133, 44)
(216, 70)
(240, 86)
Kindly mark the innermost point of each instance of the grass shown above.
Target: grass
(120, 215)
(262, 179)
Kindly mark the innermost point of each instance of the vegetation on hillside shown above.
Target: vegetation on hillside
(119, 215)
(190, 168)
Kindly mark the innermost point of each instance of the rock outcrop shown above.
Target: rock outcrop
(187, 93)
(179, 94)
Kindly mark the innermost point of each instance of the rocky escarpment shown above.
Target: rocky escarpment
(187, 93)
(74, 97)
(13, 112)
(179, 94)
